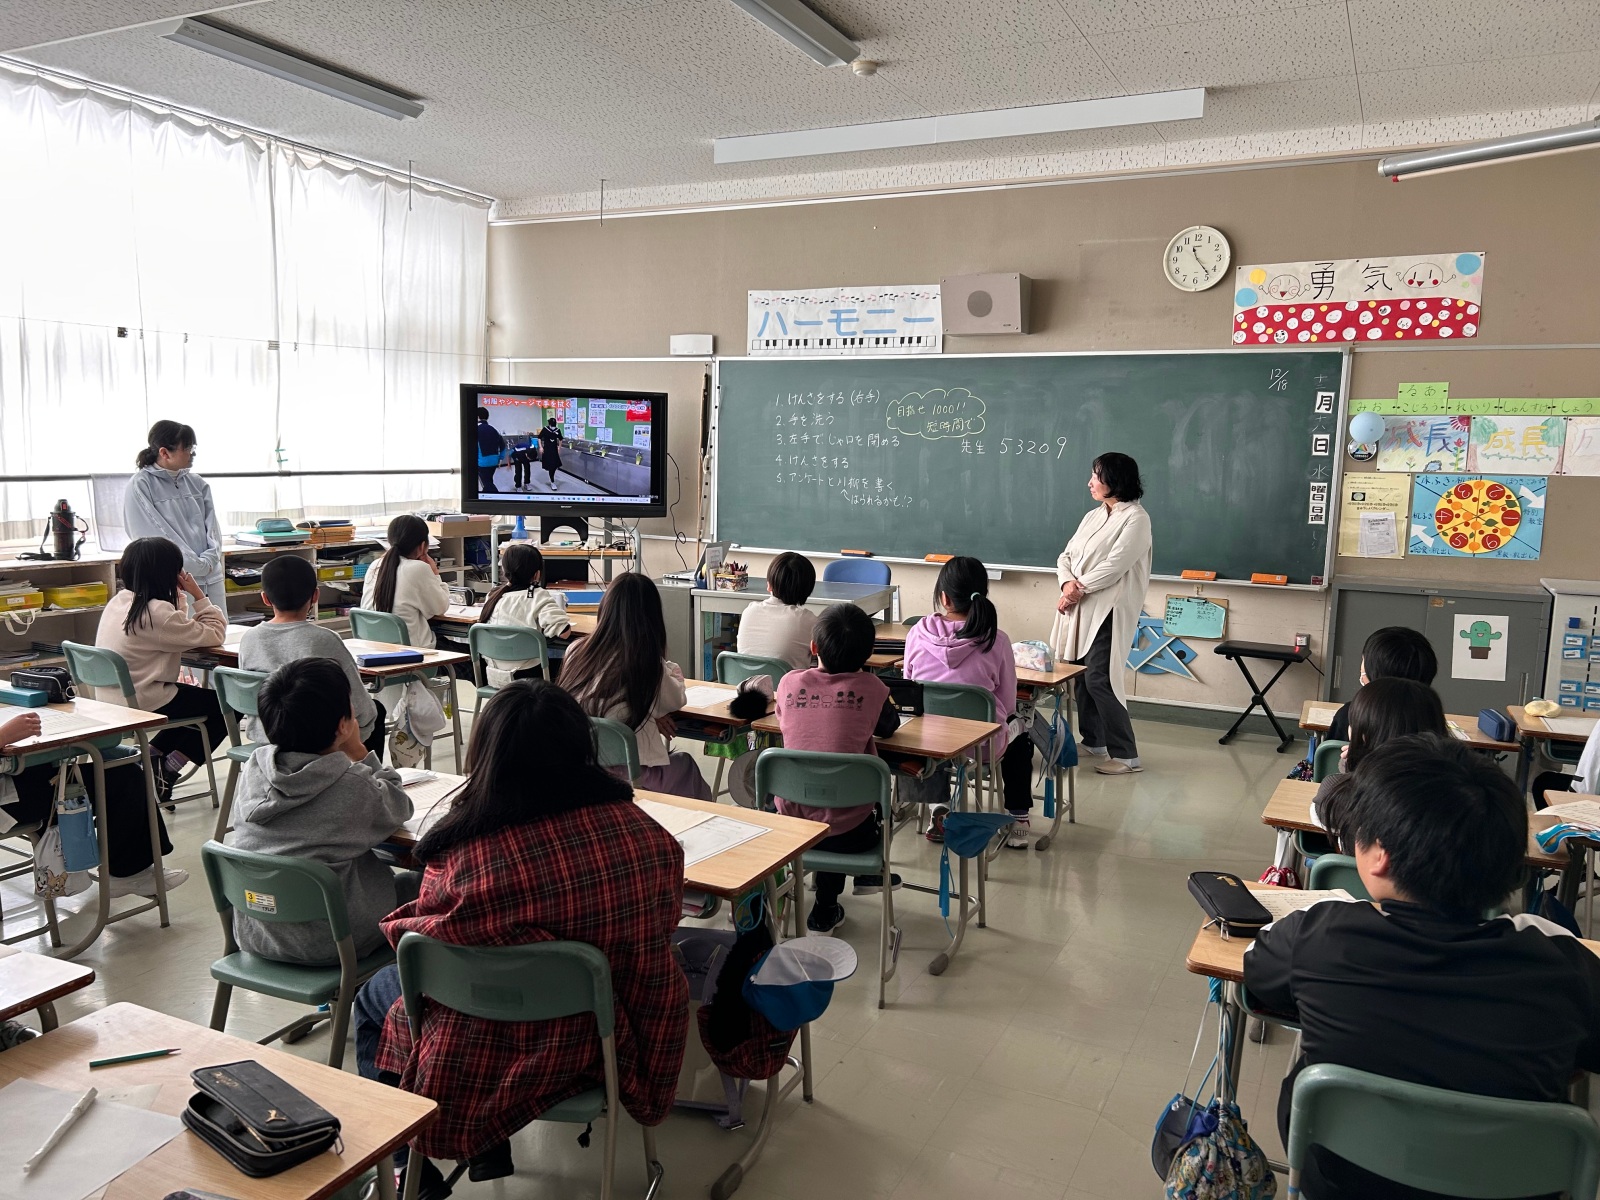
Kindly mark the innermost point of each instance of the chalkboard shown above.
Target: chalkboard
(990, 455)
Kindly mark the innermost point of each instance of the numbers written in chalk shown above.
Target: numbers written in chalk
(1010, 445)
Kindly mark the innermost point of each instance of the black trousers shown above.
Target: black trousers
(866, 836)
(191, 701)
(1102, 719)
(521, 470)
(1550, 781)
(1016, 773)
(127, 822)
(376, 739)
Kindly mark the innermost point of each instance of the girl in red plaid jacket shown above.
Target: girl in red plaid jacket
(524, 855)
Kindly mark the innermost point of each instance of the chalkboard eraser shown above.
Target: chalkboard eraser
(1199, 575)
(857, 553)
(1261, 577)
(938, 558)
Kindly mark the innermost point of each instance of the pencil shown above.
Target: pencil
(127, 1058)
(67, 1122)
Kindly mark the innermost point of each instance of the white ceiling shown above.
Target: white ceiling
(534, 101)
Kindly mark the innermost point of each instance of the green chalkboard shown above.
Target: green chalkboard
(990, 455)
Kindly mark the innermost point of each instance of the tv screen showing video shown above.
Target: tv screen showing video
(540, 451)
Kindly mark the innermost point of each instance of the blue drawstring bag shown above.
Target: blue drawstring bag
(968, 834)
(792, 983)
(1054, 741)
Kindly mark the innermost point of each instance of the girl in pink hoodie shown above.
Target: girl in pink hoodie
(962, 643)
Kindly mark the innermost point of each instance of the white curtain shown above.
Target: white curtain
(300, 313)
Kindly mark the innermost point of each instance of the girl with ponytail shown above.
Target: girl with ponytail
(521, 600)
(962, 642)
(405, 581)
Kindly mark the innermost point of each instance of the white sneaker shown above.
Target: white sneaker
(144, 883)
(1017, 838)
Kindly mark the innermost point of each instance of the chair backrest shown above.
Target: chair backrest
(506, 643)
(373, 626)
(736, 668)
(275, 887)
(237, 693)
(1325, 761)
(958, 700)
(820, 780)
(94, 666)
(1441, 1141)
(616, 744)
(539, 981)
(856, 570)
(1338, 871)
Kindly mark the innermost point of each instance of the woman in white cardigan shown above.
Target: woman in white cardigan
(1103, 574)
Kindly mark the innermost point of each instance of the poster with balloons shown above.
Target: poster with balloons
(1409, 297)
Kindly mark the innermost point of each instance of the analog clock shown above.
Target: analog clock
(1196, 258)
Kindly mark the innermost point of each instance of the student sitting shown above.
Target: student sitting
(1385, 709)
(318, 793)
(780, 626)
(1421, 987)
(521, 600)
(1393, 652)
(557, 853)
(962, 642)
(147, 626)
(1586, 781)
(405, 581)
(289, 584)
(838, 707)
(622, 671)
(26, 796)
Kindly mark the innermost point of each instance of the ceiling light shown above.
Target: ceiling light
(795, 23)
(248, 52)
(1520, 145)
(1182, 105)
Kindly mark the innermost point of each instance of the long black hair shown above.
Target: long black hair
(523, 565)
(1120, 474)
(527, 721)
(964, 583)
(1390, 708)
(150, 570)
(164, 435)
(406, 533)
(620, 663)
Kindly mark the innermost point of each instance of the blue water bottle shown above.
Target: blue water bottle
(75, 819)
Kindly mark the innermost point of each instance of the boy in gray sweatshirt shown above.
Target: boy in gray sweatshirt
(317, 793)
(289, 584)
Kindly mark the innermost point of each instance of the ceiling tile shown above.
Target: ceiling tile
(1511, 85)
(1300, 43)
(1397, 37)
(1268, 107)
(25, 23)
(1096, 17)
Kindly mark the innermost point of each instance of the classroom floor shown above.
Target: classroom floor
(1034, 1069)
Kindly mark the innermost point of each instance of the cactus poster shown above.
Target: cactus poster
(1501, 517)
(1478, 650)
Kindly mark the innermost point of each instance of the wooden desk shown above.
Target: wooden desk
(375, 1119)
(890, 631)
(1063, 781)
(715, 715)
(887, 661)
(228, 654)
(927, 736)
(1317, 716)
(37, 981)
(103, 721)
(463, 616)
(1530, 732)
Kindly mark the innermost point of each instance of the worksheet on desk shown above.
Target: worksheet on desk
(108, 1139)
(53, 722)
(715, 835)
(1576, 812)
(705, 696)
(1575, 726)
(1280, 902)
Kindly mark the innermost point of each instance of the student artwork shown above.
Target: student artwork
(1478, 650)
(1516, 445)
(1372, 515)
(1157, 652)
(1411, 444)
(1581, 453)
(871, 320)
(1407, 298)
(1482, 518)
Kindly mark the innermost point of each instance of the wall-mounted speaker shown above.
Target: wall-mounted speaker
(994, 303)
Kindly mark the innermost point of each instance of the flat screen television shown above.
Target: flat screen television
(563, 452)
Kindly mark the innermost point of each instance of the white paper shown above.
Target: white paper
(107, 1140)
(412, 776)
(464, 611)
(670, 817)
(1576, 726)
(1577, 812)
(1280, 902)
(53, 722)
(1377, 537)
(1322, 714)
(706, 696)
(1478, 649)
(714, 835)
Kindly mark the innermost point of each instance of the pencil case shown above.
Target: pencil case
(259, 1122)
(1225, 900)
(389, 658)
(1495, 724)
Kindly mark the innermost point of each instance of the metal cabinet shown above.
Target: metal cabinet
(1572, 666)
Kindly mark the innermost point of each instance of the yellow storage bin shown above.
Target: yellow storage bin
(77, 595)
(14, 601)
(341, 571)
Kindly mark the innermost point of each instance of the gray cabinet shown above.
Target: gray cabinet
(1363, 605)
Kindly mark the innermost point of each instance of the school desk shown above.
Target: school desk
(463, 616)
(1530, 732)
(37, 981)
(1317, 716)
(95, 723)
(713, 611)
(228, 655)
(1031, 685)
(374, 1119)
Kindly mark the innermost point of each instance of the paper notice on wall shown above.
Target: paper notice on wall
(1581, 455)
(1478, 649)
(1371, 503)
(845, 320)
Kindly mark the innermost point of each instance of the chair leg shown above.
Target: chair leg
(413, 1176)
(653, 1169)
(219, 1007)
(716, 784)
(455, 720)
(342, 1004)
(211, 769)
(225, 813)
(153, 816)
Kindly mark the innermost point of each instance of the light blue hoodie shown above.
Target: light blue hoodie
(177, 505)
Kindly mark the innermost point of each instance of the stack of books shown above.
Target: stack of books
(292, 537)
(328, 532)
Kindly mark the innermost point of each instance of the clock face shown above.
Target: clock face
(1196, 258)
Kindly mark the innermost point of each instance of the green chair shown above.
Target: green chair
(274, 888)
(541, 981)
(736, 668)
(1441, 1141)
(96, 667)
(503, 643)
(819, 780)
(1338, 871)
(370, 625)
(617, 745)
(236, 692)
(1326, 760)
(970, 703)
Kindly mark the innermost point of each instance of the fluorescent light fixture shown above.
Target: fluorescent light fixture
(1473, 154)
(247, 52)
(1183, 105)
(797, 24)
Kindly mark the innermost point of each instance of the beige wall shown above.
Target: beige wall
(580, 289)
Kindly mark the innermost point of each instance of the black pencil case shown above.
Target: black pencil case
(259, 1122)
(1225, 900)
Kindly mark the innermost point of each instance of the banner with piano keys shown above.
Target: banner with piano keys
(846, 320)
(1411, 297)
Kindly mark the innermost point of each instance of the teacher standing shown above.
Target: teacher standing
(166, 499)
(1103, 574)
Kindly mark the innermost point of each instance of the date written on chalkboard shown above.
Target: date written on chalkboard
(1029, 446)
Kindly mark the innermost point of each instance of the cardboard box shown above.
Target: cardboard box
(471, 527)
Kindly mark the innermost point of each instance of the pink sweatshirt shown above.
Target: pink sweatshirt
(154, 649)
(934, 654)
(835, 714)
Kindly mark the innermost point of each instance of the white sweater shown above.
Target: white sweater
(1589, 764)
(539, 609)
(419, 596)
(773, 629)
(154, 648)
(653, 751)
